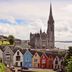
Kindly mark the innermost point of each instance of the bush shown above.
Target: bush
(69, 66)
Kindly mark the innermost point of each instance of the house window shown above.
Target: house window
(16, 64)
(17, 53)
(43, 61)
(17, 58)
(56, 62)
(7, 54)
(7, 58)
(35, 54)
(27, 60)
(35, 60)
(21, 64)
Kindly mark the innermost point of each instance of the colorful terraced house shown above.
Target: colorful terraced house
(27, 59)
(14, 56)
(43, 61)
(36, 60)
(18, 57)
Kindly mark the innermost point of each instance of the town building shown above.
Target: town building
(27, 59)
(8, 56)
(43, 61)
(18, 57)
(56, 63)
(36, 60)
(50, 60)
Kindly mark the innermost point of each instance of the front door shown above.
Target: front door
(21, 64)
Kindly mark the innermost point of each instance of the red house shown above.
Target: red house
(50, 61)
(44, 61)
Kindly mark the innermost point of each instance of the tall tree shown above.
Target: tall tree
(68, 60)
(67, 56)
(11, 39)
(69, 66)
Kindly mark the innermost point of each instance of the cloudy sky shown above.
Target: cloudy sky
(20, 17)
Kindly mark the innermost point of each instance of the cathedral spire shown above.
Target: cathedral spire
(40, 31)
(50, 20)
(50, 14)
(50, 29)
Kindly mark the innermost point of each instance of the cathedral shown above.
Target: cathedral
(44, 40)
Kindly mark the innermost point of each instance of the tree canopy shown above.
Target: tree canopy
(11, 39)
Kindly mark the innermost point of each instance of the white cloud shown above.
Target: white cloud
(21, 31)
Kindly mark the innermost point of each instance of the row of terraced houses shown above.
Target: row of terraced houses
(15, 56)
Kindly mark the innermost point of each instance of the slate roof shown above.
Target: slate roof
(14, 49)
(40, 53)
(23, 51)
(20, 49)
(2, 47)
(32, 52)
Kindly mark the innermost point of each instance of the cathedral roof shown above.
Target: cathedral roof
(37, 35)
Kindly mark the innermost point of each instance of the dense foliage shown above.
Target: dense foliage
(11, 39)
(69, 66)
(68, 60)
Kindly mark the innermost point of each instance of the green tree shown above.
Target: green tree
(70, 51)
(67, 56)
(68, 60)
(69, 66)
(11, 39)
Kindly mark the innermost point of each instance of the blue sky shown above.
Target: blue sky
(20, 17)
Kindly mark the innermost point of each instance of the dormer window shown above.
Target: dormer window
(17, 53)
(35, 60)
(56, 62)
(35, 54)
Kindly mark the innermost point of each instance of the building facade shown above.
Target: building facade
(8, 56)
(35, 60)
(50, 61)
(27, 59)
(56, 63)
(18, 58)
(42, 39)
(44, 61)
(14, 56)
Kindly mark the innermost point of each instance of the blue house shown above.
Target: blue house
(27, 59)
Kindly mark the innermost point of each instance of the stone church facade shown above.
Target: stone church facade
(42, 39)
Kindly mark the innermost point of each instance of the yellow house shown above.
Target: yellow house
(36, 60)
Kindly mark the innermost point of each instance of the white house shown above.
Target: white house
(61, 62)
(56, 63)
(1, 55)
(18, 58)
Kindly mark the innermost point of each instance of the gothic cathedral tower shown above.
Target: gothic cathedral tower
(50, 30)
